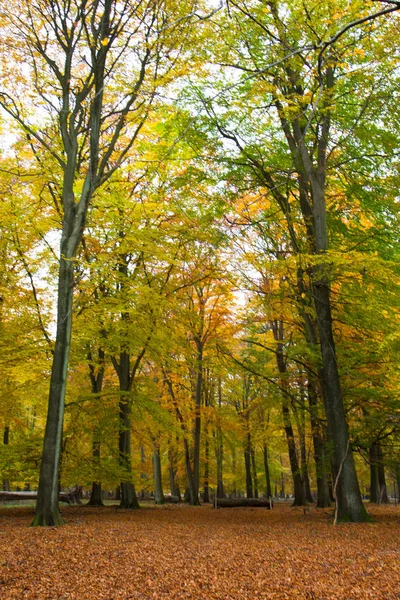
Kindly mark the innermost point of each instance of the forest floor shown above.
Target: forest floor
(182, 552)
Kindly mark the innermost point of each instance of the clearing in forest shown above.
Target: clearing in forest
(175, 552)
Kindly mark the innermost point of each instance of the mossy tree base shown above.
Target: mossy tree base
(133, 505)
(357, 516)
(95, 503)
(53, 519)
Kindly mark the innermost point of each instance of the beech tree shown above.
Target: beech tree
(93, 67)
(285, 61)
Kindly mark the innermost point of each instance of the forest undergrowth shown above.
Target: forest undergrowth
(183, 552)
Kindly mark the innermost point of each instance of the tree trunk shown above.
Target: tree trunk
(47, 509)
(197, 422)
(384, 498)
(303, 457)
(397, 474)
(323, 494)
(234, 482)
(348, 496)
(247, 464)
(206, 495)
(175, 491)
(143, 476)
(268, 490)
(378, 490)
(220, 449)
(96, 380)
(282, 492)
(128, 493)
(374, 495)
(299, 500)
(96, 496)
(254, 472)
(6, 439)
(158, 489)
(191, 494)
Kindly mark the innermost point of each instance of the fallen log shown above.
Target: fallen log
(240, 502)
(67, 497)
(173, 499)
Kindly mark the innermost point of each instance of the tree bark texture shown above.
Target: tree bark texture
(268, 489)
(158, 487)
(47, 510)
(6, 439)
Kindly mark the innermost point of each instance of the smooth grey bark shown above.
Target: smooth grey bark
(303, 451)
(206, 488)
(143, 476)
(96, 381)
(323, 494)
(378, 489)
(382, 478)
(299, 499)
(247, 464)
(348, 496)
(268, 489)
(220, 449)
(6, 440)
(123, 368)
(282, 492)
(173, 485)
(254, 471)
(304, 469)
(47, 509)
(374, 479)
(158, 486)
(191, 494)
(234, 483)
(197, 421)
(80, 113)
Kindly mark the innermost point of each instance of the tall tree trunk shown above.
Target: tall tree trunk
(374, 491)
(96, 381)
(206, 496)
(6, 439)
(303, 454)
(254, 472)
(299, 499)
(384, 498)
(193, 496)
(158, 488)
(143, 476)
(323, 495)
(197, 422)
(47, 508)
(247, 464)
(175, 491)
(397, 468)
(128, 493)
(96, 495)
(190, 493)
(220, 449)
(304, 470)
(348, 496)
(268, 489)
(234, 482)
(378, 489)
(282, 492)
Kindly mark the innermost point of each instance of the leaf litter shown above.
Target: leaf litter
(183, 552)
